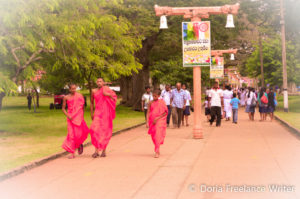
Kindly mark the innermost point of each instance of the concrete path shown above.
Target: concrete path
(232, 162)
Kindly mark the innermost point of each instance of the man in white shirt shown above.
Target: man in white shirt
(216, 102)
(146, 98)
(186, 112)
(166, 96)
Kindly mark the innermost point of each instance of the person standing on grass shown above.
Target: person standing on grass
(235, 108)
(166, 96)
(146, 98)
(251, 103)
(227, 94)
(271, 102)
(157, 116)
(216, 102)
(178, 101)
(29, 101)
(77, 128)
(186, 111)
(103, 115)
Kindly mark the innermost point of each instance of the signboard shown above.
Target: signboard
(196, 48)
(217, 68)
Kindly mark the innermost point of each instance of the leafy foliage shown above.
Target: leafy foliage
(273, 63)
(6, 85)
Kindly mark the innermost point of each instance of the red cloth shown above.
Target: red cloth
(158, 130)
(77, 128)
(105, 112)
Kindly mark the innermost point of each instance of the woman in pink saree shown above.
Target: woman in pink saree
(157, 118)
(77, 128)
(105, 112)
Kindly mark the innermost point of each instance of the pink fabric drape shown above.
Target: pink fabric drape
(158, 130)
(105, 112)
(77, 128)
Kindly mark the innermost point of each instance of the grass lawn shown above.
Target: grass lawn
(293, 116)
(26, 136)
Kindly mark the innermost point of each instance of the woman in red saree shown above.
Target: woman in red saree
(77, 128)
(157, 118)
(105, 111)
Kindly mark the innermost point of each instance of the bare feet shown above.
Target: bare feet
(156, 155)
(95, 155)
(103, 154)
(80, 149)
(71, 156)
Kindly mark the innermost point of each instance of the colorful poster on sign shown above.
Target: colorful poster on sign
(217, 68)
(196, 43)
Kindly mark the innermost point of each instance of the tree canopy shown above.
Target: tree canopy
(80, 40)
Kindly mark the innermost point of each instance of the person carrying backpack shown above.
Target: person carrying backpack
(263, 104)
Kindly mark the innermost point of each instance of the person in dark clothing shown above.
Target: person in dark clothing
(29, 100)
(271, 103)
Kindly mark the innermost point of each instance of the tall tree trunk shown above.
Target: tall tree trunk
(155, 83)
(134, 86)
(261, 61)
(34, 104)
(37, 97)
(2, 95)
(90, 90)
(126, 89)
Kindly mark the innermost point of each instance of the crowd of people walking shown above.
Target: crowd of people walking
(220, 103)
(158, 107)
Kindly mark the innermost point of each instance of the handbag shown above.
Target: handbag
(253, 102)
(264, 99)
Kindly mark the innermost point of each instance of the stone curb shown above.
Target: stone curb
(293, 130)
(44, 160)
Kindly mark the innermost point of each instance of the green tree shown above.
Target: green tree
(6, 87)
(70, 36)
(93, 43)
(273, 62)
(23, 34)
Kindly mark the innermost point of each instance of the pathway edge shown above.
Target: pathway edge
(44, 160)
(292, 129)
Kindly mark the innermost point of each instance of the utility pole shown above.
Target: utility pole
(284, 73)
(261, 60)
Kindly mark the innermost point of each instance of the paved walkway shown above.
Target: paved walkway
(247, 154)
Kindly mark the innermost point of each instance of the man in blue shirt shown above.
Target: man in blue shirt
(178, 103)
(235, 107)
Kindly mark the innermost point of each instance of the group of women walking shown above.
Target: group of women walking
(264, 99)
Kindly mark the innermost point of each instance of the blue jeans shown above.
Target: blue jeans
(235, 115)
(169, 114)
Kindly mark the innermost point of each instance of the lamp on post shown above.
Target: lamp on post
(219, 53)
(195, 14)
(230, 22)
(163, 22)
(231, 56)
